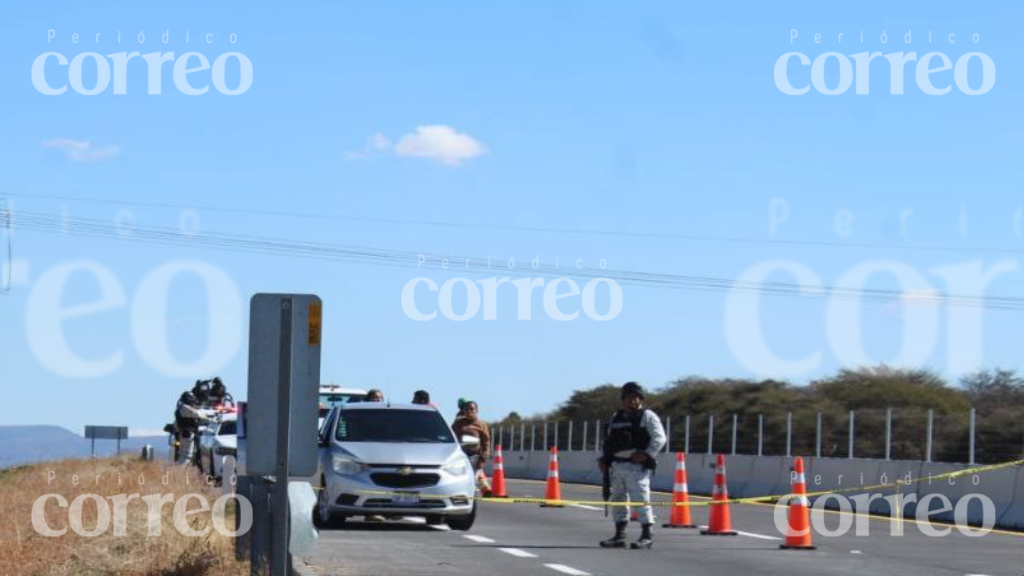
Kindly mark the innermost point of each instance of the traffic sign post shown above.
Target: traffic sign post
(94, 433)
(281, 414)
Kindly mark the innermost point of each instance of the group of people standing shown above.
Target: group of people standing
(195, 408)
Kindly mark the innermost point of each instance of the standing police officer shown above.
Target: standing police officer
(635, 437)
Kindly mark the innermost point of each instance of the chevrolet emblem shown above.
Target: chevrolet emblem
(404, 471)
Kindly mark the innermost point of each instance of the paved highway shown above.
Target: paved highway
(526, 539)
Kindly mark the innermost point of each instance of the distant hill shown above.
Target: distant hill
(31, 444)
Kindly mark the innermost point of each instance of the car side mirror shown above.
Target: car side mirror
(470, 442)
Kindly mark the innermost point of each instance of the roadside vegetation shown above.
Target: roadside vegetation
(25, 552)
(996, 395)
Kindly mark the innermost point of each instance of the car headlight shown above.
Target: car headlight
(347, 466)
(458, 466)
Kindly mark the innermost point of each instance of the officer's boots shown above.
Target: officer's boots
(619, 540)
(646, 541)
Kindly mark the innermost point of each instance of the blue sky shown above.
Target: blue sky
(660, 118)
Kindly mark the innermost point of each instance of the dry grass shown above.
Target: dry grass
(25, 552)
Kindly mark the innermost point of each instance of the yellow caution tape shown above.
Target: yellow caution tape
(752, 500)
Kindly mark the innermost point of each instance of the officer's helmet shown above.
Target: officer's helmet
(632, 388)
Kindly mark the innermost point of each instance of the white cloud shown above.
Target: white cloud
(441, 143)
(82, 150)
(436, 142)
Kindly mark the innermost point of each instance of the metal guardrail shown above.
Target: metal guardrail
(883, 434)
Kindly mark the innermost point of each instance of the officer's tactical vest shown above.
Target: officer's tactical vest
(626, 432)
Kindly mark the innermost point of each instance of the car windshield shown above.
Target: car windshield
(389, 425)
(228, 428)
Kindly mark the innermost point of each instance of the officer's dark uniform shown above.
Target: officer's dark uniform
(631, 432)
(187, 419)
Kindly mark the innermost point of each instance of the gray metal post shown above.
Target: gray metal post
(711, 432)
(789, 434)
(597, 436)
(817, 441)
(735, 419)
(568, 445)
(888, 433)
(686, 442)
(280, 559)
(522, 437)
(259, 535)
(928, 436)
(533, 437)
(760, 434)
(93, 448)
(850, 453)
(242, 541)
(971, 461)
(668, 434)
(556, 433)
(545, 449)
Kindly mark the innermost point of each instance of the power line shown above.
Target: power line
(149, 234)
(10, 251)
(523, 228)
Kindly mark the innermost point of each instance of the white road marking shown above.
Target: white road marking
(478, 539)
(855, 552)
(585, 507)
(440, 527)
(517, 553)
(567, 570)
(760, 536)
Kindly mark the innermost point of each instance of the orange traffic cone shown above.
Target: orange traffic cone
(680, 497)
(799, 535)
(720, 522)
(498, 475)
(553, 495)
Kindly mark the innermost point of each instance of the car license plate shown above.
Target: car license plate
(405, 499)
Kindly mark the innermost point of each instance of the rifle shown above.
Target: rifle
(606, 487)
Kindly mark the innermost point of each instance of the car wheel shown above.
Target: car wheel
(322, 515)
(462, 523)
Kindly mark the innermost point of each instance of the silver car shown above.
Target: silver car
(393, 460)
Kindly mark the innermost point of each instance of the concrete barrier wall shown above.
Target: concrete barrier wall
(752, 476)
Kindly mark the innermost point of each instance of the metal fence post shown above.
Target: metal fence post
(545, 448)
(522, 437)
(584, 447)
(928, 434)
(789, 434)
(971, 461)
(668, 434)
(735, 418)
(760, 434)
(817, 441)
(597, 435)
(711, 432)
(888, 433)
(686, 441)
(568, 445)
(533, 437)
(555, 423)
(850, 452)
